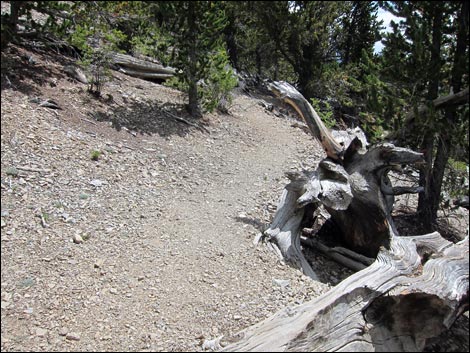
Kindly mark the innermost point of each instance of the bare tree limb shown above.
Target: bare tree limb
(290, 95)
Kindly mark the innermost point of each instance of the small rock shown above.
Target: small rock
(72, 336)
(63, 331)
(283, 283)
(113, 291)
(40, 332)
(154, 336)
(3, 223)
(237, 317)
(97, 183)
(12, 171)
(98, 263)
(77, 239)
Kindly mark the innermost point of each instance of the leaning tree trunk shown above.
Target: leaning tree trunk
(416, 287)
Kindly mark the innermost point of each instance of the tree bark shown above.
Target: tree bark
(431, 177)
(290, 95)
(411, 293)
(416, 287)
(141, 68)
(9, 27)
(193, 106)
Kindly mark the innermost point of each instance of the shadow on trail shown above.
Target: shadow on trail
(256, 223)
(152, 117)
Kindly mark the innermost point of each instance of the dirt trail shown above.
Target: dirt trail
(167, 219)
(163, 221)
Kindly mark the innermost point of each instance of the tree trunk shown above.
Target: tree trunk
(427, 202)
(411, 293)
(425, 181)
(193, 106)
(416, 287)
(432, 176)
(9, 27)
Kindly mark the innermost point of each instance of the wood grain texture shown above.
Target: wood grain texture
(416, 287)
(395, 304)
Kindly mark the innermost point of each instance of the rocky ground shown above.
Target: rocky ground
(125, 228)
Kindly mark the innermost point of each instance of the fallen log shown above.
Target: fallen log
(395, 304)
(141, 68)
(413, 291)
(145, 75)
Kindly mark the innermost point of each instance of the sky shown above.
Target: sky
(386, 17)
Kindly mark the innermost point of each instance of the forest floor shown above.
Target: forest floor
(149, 247)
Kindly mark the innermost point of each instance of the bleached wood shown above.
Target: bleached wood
(290, 95)
(396, 304)
(416, 287)
(139, 68)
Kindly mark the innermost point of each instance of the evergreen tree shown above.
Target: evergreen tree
(360, 31)
(427, 56)
(195, 37)
(302, 33)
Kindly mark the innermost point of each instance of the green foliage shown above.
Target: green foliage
(360, 31)
(95, 155)
(46, 216)
(323, 108)
(195, 41)
(457, 178)
(12, 171)
(303, 33)
(458, 166)
(96, 43)
(214, 90)
(215, 93)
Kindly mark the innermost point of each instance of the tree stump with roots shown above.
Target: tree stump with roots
(408, 289)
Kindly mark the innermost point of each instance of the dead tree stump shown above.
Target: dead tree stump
(413, 288)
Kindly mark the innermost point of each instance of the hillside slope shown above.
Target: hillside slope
(163, 220)
(168, 213)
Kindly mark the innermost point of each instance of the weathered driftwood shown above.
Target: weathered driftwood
(76, 73)
(411, 293)
(416, 287)
(141, 68)
(291, 96)
(145, 75)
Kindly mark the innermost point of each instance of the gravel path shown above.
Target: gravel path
(150, 247)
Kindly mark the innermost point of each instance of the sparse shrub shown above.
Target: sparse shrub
(96, 47)
(214, 90)
(95, 155)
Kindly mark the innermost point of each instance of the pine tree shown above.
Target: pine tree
(361, 31)
(427, 57)
(196, 36)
